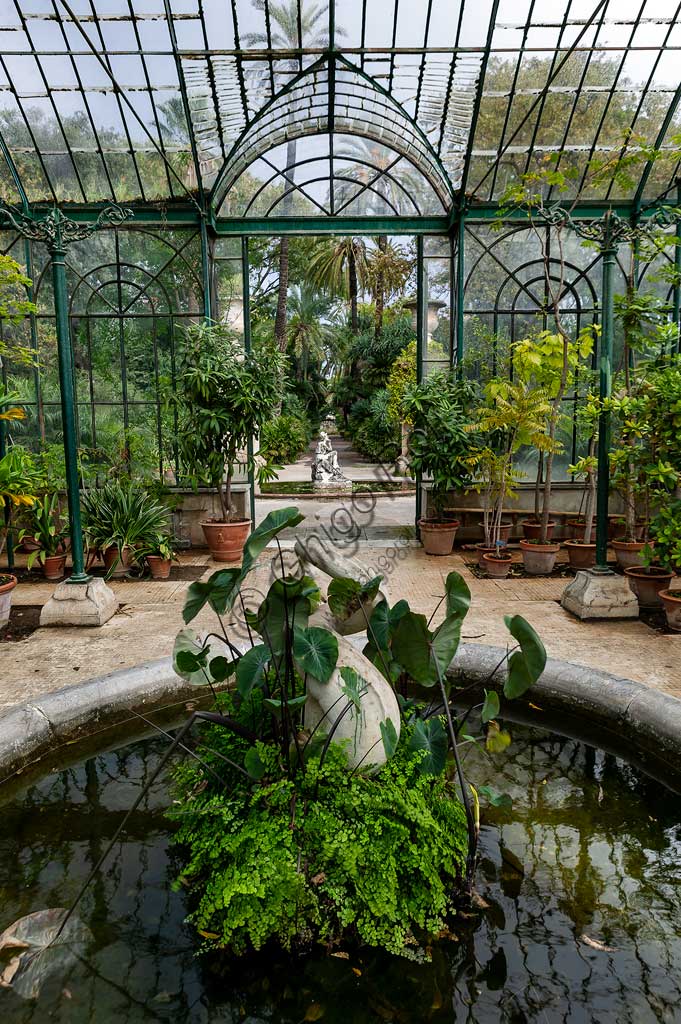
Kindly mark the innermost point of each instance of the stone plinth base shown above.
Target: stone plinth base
(79, 604)
(597, 595)
(334, 485)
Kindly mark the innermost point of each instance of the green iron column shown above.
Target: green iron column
(608, 254)
(246, 301)
(68, 406)
(56, 231)
(460, 271)
(421, 348)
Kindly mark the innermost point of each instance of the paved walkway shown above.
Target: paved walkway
(353, 465)
(145, 627)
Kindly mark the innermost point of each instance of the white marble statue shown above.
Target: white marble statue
(325, 469)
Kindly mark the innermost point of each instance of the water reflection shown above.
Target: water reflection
(579, 916)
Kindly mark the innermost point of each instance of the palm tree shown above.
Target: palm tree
(285, 35)
(388, 268)
(340, 268)
(308, 335)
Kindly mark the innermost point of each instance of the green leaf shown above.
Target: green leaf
(277, 706)
(497, 739)
(353, 685)
(384, 621)
(289, 601)
(389, 737)
(345, 595)
(250, 670)
(496, 799)
(490, 709)
(458, 595)
(188, 662)
(315, 650)
(221, 669)
(411, 648)
(218, 591)
(190, 658)
(273, 523)
(526, 665)
(446, 642)
(430, 735)
(253, 765)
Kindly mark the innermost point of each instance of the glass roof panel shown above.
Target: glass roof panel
(177, 97)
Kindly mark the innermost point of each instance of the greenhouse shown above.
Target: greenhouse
(340, 510)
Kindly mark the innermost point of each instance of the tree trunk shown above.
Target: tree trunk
(591, 496)
(380, 295)
(537, 486)
(352, 276)
(282, 297)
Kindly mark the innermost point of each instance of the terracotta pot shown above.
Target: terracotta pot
(582, 556)
(7, 585)
(30, 544)
(505, 532)
(226, 540)
(54, 567)
(159, 567)
(117, 566)
(539, 559)
(629, 554)
(483, 550)
(438, 537)
(497, 566)
(671, 599)
(451, 515)
(532, 529)
(647, 584)
(574, 528)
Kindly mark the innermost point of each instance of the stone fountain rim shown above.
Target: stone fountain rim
(628, 718)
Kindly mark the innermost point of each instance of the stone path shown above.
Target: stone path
(354, 465)
(146, 626)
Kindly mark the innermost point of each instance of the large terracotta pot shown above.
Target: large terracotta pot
(582, 556)
(7, 585)
(574, 528)
(226, 540)
(539, 559)
(671, 599)
(647, 583)
(438, 537)
(532, 529)
(159, 567)
(497, 565)
(629, 554)
(117, 566)
(54, 567)
(505, 532)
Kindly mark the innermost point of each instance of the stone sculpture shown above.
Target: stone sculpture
(325, 469)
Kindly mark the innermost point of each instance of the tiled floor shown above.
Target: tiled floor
(151, 614)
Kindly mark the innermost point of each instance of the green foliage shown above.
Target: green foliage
(346, 865)
(18, 485)
(284, 439)
(47, 528)
(223, 397)
(401, 379)
(14, 307)
(122, 514)
(665, 531)
(372, 432)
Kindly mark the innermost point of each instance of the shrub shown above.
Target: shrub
(371, 429)
(284, 439)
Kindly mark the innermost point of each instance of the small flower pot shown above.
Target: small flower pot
(159, 567)
(226, 540)
(629, 554)
(532, 529)
(539, 559)
(29, 544)
(497, 565)
(581, 555)
(647, 582)
(115, 565)
(54, 567)
(7, 585)
(482, 550)
(671, 599)
(438, 536)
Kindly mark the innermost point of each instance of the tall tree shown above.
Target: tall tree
(341, 269)
(388, 268)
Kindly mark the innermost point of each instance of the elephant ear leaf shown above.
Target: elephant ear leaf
(458, 595)
(190, 658)
(250, 671)
(431, 737)
(411, 648)
(273, 523)
(389, 737)
(218, 592)
(526, 665)
(446, 643)
(490, 709)
(315, 650)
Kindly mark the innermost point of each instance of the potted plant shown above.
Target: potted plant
(665, 530)
(440, 446)
(497, 563)
(581, 547)
(49, 533)
(160, 556)
(494, 482)
(223, 397)
(119, 520)
(513, 415)
(17, 490)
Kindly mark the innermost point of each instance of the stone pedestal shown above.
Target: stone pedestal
(80, 604)
(600, 595)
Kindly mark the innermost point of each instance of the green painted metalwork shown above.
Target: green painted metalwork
(608, 256)
(246, 304)
(676, 293)
(421, 344)
(460, 294)
(57, 232)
